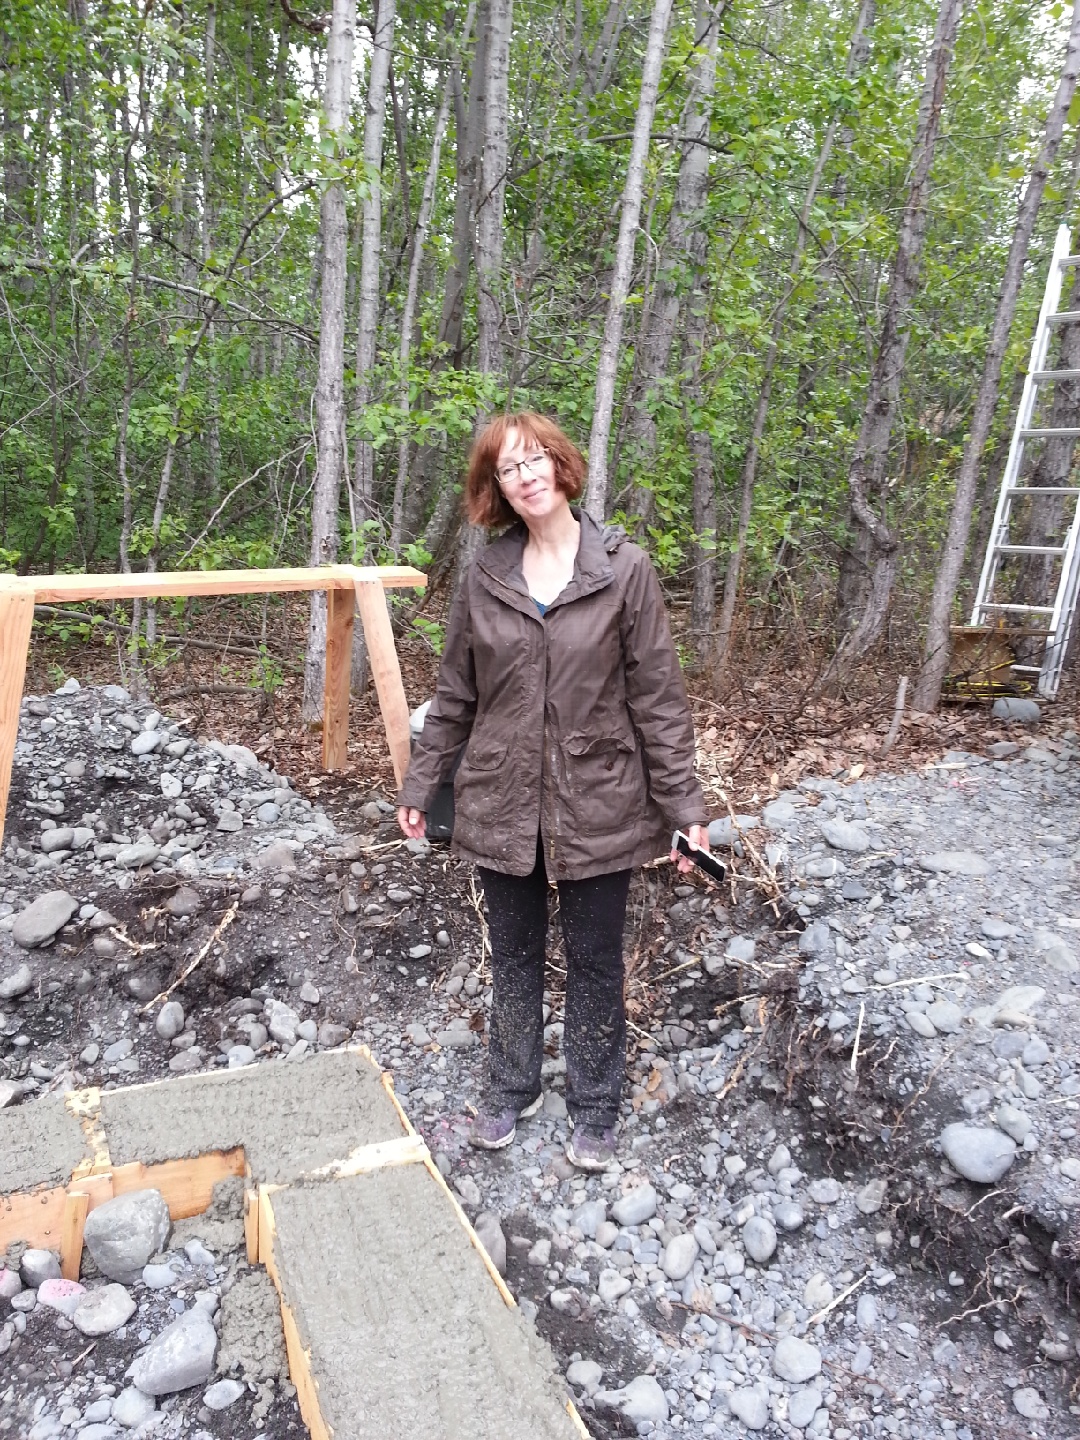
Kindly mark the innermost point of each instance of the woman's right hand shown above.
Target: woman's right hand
(413, 822)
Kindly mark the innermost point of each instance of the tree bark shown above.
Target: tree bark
(867, 587)
(686, 218)
(490, 201)
(936, 649)
(330, 387)
(371, 235)
(206, 226)
(597, 492)
(412, 291)
(857, 53)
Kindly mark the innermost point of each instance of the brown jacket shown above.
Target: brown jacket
(578, 724)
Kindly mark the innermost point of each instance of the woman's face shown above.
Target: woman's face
(526, 475)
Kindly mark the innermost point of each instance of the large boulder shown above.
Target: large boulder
(126, 1232)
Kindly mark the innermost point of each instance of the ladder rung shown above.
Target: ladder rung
(1042, 375)
(1029, 549)
(1031, 669)
(1069, 260)
(1027, 609)
(1069, 432)
(1042, 490)
(1063, 317)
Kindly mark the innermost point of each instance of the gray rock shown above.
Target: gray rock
(1014, 1122)
(10, 1284)
(846, 835)
(230, 822)
(237, 1056)
(184, 901)
(41, 920)
(759, 1239)
(789, 1215)
(635, 1207)
(779, 814)
(1027, 1401)
(223, 1394)
(611, 1286)
(866, 1314)
(979, 1154)
(181, 1356)
(816, 939)
(741, 949)
(585, 1375)
(1015, 707)
(871, 1197)
(100, 1312)
(37, 1266)
(131, 1407)
(491, 1236)
(956, 862)
(282, 1022)
(133, 857)
(59, 839)
(996, 929)
(795, 1360)
(643, 1399)
(679, 1255)
(170, 1020)
(825, 1191)
(803, 1406)
(146, 742)
(589, 1217)
(1036, 1052)
(723, 834)
(921, 1024)
(750, 1405)
(124, 1233)
(278, 856)
(61, 1295)
(945, 1016)
(1055, 952)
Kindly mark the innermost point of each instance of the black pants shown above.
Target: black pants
(592, 913)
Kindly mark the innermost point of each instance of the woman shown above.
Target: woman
(560, 672)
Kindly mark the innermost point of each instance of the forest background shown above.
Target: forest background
(264, 268)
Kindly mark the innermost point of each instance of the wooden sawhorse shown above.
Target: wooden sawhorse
(348, 587)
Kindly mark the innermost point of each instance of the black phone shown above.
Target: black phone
(715, 869)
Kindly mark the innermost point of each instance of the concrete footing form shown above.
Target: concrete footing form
(397, 1324)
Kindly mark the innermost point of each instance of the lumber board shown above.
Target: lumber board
(385, 671)
(16, 621)
(37, 1216)
(307, 1389)
(76, 1206)
(187, 1186)
(406, 1150)
(340, 609)
(463, 1220)
(251, 1223)
(61, 589)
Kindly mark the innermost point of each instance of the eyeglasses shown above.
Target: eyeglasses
(513, 469)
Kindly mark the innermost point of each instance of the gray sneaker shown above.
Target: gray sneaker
(495, 1129)
(591, 1149)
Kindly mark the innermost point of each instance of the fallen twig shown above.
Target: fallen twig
(837, 1300)
(858, 1037)
(898, 714)
(223, 924)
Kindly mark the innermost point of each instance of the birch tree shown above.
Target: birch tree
(686, 219)
(857, 53)
(596, 494)
(877, 545)
(936, 646)
(330, 386)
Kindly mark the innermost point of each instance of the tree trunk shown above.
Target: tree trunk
(865, 603)
(371, 235)
(206, 225)
(490, 200)
(937, 649)
(687, 217)
(597, 492)
(857, 54)
(330, 387)
(412, 292)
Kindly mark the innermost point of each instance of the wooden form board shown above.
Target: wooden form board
(346, 586)
(53, 1217)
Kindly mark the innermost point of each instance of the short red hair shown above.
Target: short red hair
(485, 504)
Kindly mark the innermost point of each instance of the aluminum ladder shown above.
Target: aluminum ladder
(1060, 612)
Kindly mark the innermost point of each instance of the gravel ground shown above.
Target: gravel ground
(848, 1183)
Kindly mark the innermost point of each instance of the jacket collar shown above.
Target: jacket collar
(500, 562)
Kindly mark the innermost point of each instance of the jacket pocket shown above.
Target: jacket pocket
(484, 756)
(607, 784)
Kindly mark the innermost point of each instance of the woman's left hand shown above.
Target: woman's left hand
(698, 835)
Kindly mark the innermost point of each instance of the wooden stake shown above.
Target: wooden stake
(71, 1235)
(385, 671)
(16, 620)
(898, 715)
(340, 608)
